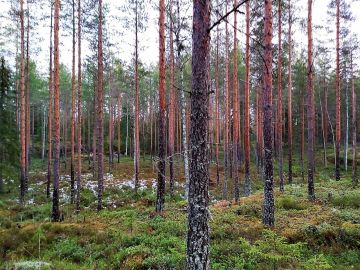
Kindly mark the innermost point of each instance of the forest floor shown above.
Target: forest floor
(128, 234)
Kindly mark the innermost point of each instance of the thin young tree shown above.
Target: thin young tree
(338, 96)
(289, 99)
(79, 86)
(235, 148)
(279, 102)
(217, 129)
(22, 107)
(50, 105)
(269, 207)
(171, 140)
(72, 129)
(136, 117)
(198, 213)
(160, 198)
(100, 117)
(310, 107)
(247, 104)
(353, 105)
(227, 109)
(55, 201)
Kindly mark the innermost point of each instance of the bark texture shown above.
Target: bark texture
(310, 106)
(160, 199)
(55, 206)
(100, 101)
(269, 207)
(198, 213)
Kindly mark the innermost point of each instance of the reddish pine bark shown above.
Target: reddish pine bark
(311, 109)
(338, 97)
(290, 127)
(236, 114)
(217, 141)
(227, 109)
(269, 207)
(72, 131)
(171, 107)
(160, 199)
(279, 131)
(198, 213)
(55, 206)
(78, 176)
(100, 132)
(247, 104)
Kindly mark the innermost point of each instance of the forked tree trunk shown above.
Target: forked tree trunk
(55, 205)
(269, 207)
(310, 106)
(160, 197)
(100, 132)
(198, 213)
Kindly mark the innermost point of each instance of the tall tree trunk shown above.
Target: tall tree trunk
(310, 106)
(27, 101)
(171, 106)
(43, 131)
(198, 213)
(50, 107)
(302, 136)
(127, 129)
(78, 176)
(353, 107)
(279, 101)
(346, 143)
(136, 118)
(338, 98)
(72, 139)
(55, 206)
(111, 123)
(160, 199)
(100, 116)
(322, 108)
(118, 127)
(290, 126)
(247, 104)
(217, 141)
(22, 108)
(94, 146)
(236, 114)
(227, 109)
(269, 208)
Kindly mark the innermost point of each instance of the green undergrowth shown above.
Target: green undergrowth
(128, 234)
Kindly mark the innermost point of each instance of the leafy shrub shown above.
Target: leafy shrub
(318, 262)
(289, 203)
(348, 199)
(68, 249)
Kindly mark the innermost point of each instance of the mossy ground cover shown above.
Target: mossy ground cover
(127, 234)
